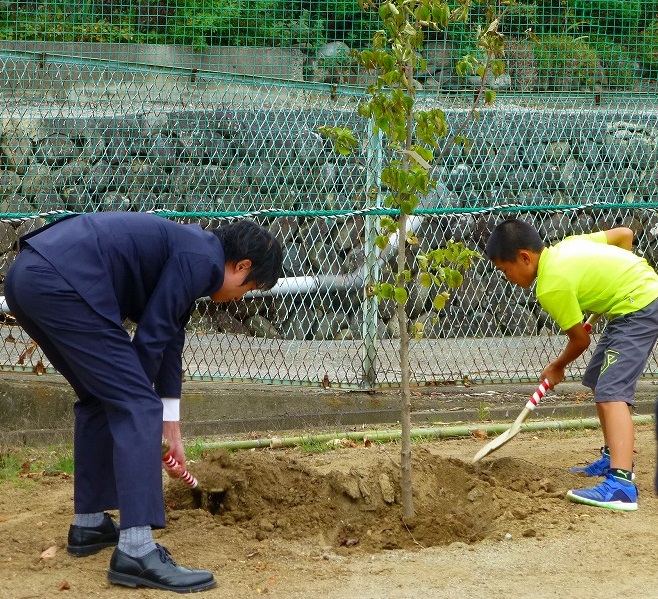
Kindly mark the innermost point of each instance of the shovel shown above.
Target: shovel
(533, 402)
(207, 499)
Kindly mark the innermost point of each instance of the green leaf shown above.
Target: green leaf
(422, 13)
(364, 110)
(425, 279)
(400, 295)
(462, 68)
(497, 67)
(439, 302)
(381, 241)
(454, 278)
(386, 290)
(441, 15)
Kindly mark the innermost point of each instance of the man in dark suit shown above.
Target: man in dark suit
(70, 288)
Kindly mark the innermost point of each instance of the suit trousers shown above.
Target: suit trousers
(118, 415)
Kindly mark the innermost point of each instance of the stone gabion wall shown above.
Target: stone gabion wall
(223, 160)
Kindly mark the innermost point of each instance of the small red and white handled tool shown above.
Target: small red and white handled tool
(170, 463)
(538, 395)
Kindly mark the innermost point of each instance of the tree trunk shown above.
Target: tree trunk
(408, 510)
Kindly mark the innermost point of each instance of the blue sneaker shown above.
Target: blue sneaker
(598, 468)
(612, 493)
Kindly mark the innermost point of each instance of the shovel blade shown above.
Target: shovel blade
(503, 438)
(492, 445)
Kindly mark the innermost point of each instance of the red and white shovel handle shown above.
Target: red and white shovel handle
(590, 322)
(170, 463)
(538, 395)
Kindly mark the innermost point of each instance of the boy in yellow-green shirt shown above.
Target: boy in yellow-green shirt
(598, 274)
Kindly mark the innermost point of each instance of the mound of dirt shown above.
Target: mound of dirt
(338, 501)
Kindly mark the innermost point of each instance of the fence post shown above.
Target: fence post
(371, 265)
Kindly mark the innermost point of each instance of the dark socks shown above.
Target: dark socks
(626, 475)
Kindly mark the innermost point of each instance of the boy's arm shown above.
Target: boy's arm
(621, 237)
(579, 340)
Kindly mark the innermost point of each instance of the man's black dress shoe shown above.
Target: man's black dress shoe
(87, 540)
(157, 570)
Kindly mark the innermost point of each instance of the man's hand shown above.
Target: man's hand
(171, 434)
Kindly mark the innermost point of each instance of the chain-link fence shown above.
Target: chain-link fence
(206, 111)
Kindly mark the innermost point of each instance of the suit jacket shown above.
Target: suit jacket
(142, 267)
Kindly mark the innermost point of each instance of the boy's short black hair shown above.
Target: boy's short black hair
(509, 237)
(245, 239)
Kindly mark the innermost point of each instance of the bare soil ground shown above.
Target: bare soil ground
(295, 525)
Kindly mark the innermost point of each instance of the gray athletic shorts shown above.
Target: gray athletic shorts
(622, 354)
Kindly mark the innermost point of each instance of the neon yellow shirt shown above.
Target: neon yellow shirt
(584, 273)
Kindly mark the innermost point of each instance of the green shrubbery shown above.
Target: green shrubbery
(566, 63)
(647, 50)
(617, 62)
(193, 22)
(621, 34)
(617, 18)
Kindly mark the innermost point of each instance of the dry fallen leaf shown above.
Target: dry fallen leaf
(49, 553)
(25, 356)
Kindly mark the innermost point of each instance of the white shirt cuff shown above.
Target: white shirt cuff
(170, 409)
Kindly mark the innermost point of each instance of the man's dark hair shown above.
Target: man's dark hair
(509, 237)
(247, 240)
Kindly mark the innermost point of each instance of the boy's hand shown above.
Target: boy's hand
(554, 374)
(579, 341)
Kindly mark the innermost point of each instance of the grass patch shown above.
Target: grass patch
(11, 465)
(25, 462)
(194, 450)
(20, 463)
